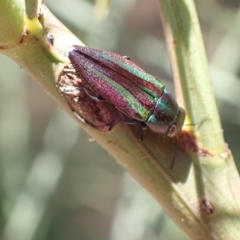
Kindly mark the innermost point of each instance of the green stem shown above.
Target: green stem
(32, 7)
(190, 69)
(215, 174)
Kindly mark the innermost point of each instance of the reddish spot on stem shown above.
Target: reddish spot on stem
(207, 206)
(188, 142)
(24, 36)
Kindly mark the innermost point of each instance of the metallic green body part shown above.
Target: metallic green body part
(129, 88)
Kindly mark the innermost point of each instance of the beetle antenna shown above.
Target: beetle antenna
(199, 122)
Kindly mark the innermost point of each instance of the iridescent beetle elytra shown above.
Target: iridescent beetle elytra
(137, 94)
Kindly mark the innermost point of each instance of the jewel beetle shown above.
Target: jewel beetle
(137, 94)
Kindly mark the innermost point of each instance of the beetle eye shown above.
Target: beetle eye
(177, 124)
(172, 131)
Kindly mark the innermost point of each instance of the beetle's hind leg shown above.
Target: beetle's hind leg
(95, 98)
(131, 121)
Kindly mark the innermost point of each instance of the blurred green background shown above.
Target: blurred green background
(56, 183)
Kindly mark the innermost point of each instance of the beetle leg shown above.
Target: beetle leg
(127, 57)
(144, 128)
(97, 99)
(132, 121)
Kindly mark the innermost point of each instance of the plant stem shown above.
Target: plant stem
(188, 190)
(215, 164)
